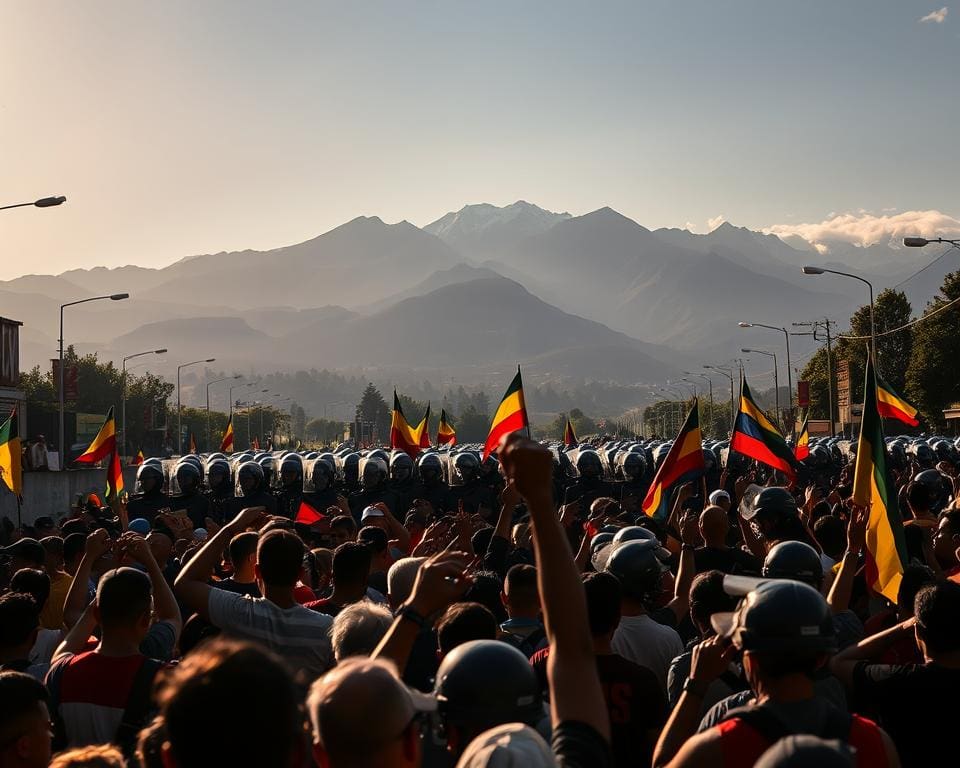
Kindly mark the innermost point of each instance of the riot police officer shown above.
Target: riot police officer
(190, 497)
(589, 485)
(250, 491)
(149, 497)
(632, 489)
(289, 492)
(321, 493)
(432, 486)
(402, 481)
(373, 488)
(470, 488)
(219, 488)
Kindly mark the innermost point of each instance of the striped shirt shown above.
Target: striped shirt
(298, 635)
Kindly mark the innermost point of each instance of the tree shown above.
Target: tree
(298, 421)
(372, 408)
(931, 378)
(472, 426)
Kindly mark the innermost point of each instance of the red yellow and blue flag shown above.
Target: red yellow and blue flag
(684, 463)
(756, 437)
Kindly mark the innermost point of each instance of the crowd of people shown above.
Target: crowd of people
(368, 609)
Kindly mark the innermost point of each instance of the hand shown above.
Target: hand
(685, 492)
(811, 496)
(509, 496)
(248, 518)
(724, 477)
(136, 546)
(857, 529)
(464, 529)
(98, 544)
(528, 465)
(440, 581)
(690, 529)
(710, 658)
(181, 527)
(740, 486)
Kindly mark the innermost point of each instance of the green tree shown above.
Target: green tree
(472, 426)
(373, 408)
(931, 378)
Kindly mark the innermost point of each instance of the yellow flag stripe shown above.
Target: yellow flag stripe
(510, 405)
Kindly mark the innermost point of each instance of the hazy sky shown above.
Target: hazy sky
(177, 128)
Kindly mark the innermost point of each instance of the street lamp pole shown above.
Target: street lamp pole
(786, 335)
(43, 202)
(808, 270)
(215, 381)
(816, 325)
(710, 385)
(112, 297)
(728, 372)
(179, 409)
(776, 379)
(123, 407)
(236, 386)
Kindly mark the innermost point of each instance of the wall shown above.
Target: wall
(53, 493)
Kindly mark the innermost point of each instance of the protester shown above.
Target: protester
(24, 721)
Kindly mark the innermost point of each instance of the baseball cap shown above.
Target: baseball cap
(371, 511)
(717, 495)
(512, 745)
(26, 549)
(801, 750)
(140, 525)
(361, 705)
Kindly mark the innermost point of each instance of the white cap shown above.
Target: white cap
(512, 745)
(371, 511)
(717, 495)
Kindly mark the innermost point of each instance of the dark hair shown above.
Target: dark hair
(919, 497)
(74, 545)
(914, 578)
(486, 589)
(202, 731)
(19, 616)
(72, 527)
(280, 558)
(953, 520)
(123, 596)
(242, 546)
(375, 539)
(463, 622)
(820, 509)
(937, 608)
(351, 563)
(520, 584)
(277, 523)
(34, 582)
(707, 597)
(603, 594)
(481, 539)
(344, 521)
(771, 666)
(831, 534)
(19, 696)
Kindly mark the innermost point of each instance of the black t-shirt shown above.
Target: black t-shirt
(732, 560)
(635, 703)
(915, 704)
(578, 745)
(237, 588)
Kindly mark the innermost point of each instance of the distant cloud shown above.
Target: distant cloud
(715, 222)
(936, 17)
(864, 228)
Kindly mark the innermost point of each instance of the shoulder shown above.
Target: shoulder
(703, 749)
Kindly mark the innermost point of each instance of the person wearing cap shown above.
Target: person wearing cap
(344, 733)
(776, 515)
(784, 631)
(715, 555)
(379, 516)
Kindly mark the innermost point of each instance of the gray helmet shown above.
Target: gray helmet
(401, 466)
(373, 472)
(632, 466)
(249, 477)
(780, 617)
(794, 560)
(485, 683)
(187, 476)
(467, 465)
(217, 473)
(430, 467)
(150, 477)
(589, 464)
(637, 567)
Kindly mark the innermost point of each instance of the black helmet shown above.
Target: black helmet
(932, 480)
(218, 473)
(249, 477)
(772, 503)
(924, 455)
(350, 466)
(150, 477)
(632, 466)
(485, 683)
(401, 466)
(321, 475)
(467, 465)
(430, 467)
(589, 464)
(373, 472)
(637, 567)
(291, 469)
(709, 460)
(780, 617)
(794, 560)
(187, 476)
(634, 533)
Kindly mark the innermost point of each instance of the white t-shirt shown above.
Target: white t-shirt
(647, 643)
(298, 635)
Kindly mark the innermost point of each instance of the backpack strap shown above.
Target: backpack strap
(770, 727)
(139, 704)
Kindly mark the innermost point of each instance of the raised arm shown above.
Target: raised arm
(842, 587)
(98, 544)
(575, 693)
(164, 603)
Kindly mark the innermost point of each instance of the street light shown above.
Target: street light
(808, 270)
(728, 372)
(919, 242)
(43, 202)
(112, 297)
(776, 379)
(710, 384)
(215, 381)
(123, 407)
(235, 386)
(179, 410)
(786, 335)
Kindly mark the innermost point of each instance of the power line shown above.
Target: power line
(908, 325)
(908, 279)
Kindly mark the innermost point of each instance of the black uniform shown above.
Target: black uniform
(195, 504)
(362, 499)
(217, 502)
(475, 494)
(258, 498)
(147, 505)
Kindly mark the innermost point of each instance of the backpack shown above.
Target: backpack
(527, 645)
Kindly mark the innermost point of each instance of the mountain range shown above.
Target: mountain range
(596, 297)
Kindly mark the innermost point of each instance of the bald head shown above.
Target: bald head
(714, 526)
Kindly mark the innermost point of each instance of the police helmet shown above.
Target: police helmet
(589, 464)
(794, 560)
(150, 477)
(401, 466)
(373, 471)
(637, 567)
(188, 476)
(249, 477)
(217, 473)
(467, 465)
(430, 467)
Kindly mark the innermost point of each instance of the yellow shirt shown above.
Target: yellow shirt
(51, 617)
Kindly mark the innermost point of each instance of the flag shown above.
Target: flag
(299, 445)
(892, 406)
(226, 445)
(256, 443)
(423, 430)
(873, 489)
(138, 459)
(511, 416)
(569, 436)
(684, 463)
(308, 515)
(11, 457)
(403, 437)
(446, 434)
(103, 444)
(114, 475)
(193, 443)
(802, 449)
(756, 437)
